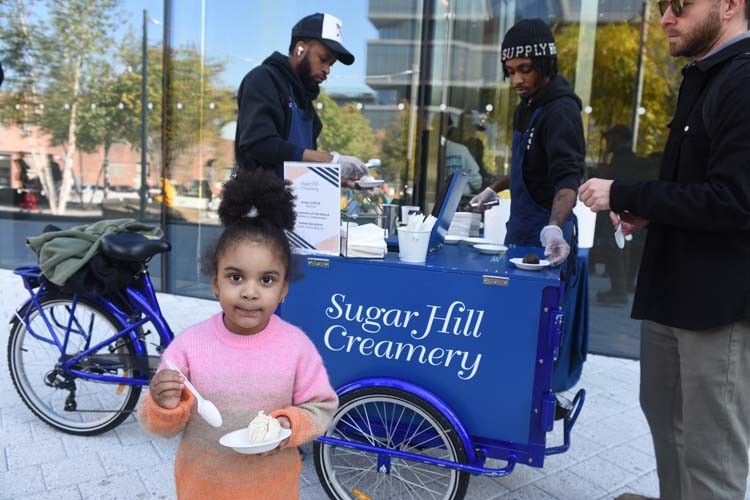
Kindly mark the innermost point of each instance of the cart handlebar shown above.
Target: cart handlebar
(570, 421)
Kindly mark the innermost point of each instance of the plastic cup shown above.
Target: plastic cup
(412, 245)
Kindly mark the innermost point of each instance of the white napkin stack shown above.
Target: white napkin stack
(365, 241)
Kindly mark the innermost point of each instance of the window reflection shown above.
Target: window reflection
(426, 96)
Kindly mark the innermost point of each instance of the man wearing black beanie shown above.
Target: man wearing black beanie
(548, 151)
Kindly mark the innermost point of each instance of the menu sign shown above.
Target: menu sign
(317, 187)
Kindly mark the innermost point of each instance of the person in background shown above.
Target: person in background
(693, 288)
(244, 359)
(56, 172)
(547, 159)
(277, 121)
(458, 158)
(471, 125)
(207, 183)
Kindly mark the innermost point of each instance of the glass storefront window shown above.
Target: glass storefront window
(82, 138)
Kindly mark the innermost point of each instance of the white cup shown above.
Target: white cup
(412, 245)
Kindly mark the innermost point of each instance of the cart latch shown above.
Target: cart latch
(495, 280)
(557, 322)
(316, 262)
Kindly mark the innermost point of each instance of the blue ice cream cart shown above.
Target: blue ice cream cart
(438, 366)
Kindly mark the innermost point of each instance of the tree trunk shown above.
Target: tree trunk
(67, 180)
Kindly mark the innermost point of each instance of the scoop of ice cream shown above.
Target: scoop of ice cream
(263, 428)
(531, 258)
(367, 178)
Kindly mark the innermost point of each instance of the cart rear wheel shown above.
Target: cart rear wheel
(397, 420)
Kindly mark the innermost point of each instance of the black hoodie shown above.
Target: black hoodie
(264, 115)
(556, 158)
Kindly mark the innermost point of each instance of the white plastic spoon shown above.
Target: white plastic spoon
(206, 408)
(619, 237)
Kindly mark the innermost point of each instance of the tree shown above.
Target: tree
(615, 67)
(395, 166)
(22, 103)
(76, 42)
(344, 129)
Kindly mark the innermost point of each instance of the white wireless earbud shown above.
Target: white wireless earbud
(299, 51)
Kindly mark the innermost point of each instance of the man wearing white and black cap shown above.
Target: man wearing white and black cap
(547, 159)
(277, 121)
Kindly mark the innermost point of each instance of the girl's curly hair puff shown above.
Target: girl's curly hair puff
(256, 206)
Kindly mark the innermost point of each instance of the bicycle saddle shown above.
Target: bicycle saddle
(133, 247)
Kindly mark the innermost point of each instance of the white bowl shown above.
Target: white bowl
(239, 441)
(520, 264)
(491, 249)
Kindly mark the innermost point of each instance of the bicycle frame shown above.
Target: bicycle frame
(141, 307)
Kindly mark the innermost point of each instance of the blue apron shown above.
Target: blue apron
(526, 221)
(527, 218)
(300, 131)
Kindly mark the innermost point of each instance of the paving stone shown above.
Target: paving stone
(132, 433)
(22, 482)
(530, 492)
(159, 481)
(485, 488)
(566, 485)
(602, 473)
(124, 487)
(631, 459)
(76, 446)
(37, 453)
(129, 458)
(67, 493)
(73, 471)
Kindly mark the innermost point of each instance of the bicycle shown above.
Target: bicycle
(79, 360)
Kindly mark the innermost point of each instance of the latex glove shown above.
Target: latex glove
(556, 249)
(351, 166)
(486, 196)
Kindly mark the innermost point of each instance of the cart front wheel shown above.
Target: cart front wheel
(395, 420)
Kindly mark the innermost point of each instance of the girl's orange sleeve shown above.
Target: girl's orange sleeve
(162, 421)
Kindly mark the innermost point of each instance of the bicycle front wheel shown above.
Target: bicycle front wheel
(66, 402)
(397, 420)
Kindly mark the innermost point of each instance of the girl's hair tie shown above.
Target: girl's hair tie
(252, 213)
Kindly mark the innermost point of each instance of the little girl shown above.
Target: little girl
(244, 359)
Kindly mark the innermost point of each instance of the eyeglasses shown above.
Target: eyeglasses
(678, 6)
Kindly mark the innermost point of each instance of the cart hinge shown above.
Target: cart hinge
(495, 280)
(317, 262)
(557, 322)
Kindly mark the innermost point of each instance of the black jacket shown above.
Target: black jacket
(695, 272)
(264, 115)
(556, 157)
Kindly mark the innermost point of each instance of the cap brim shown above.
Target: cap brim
(342, 54)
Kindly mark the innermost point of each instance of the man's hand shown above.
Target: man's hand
(351, 166)
(630, 223)
(166, 388)
(594, 193)
(555, 246)
(486, 196)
